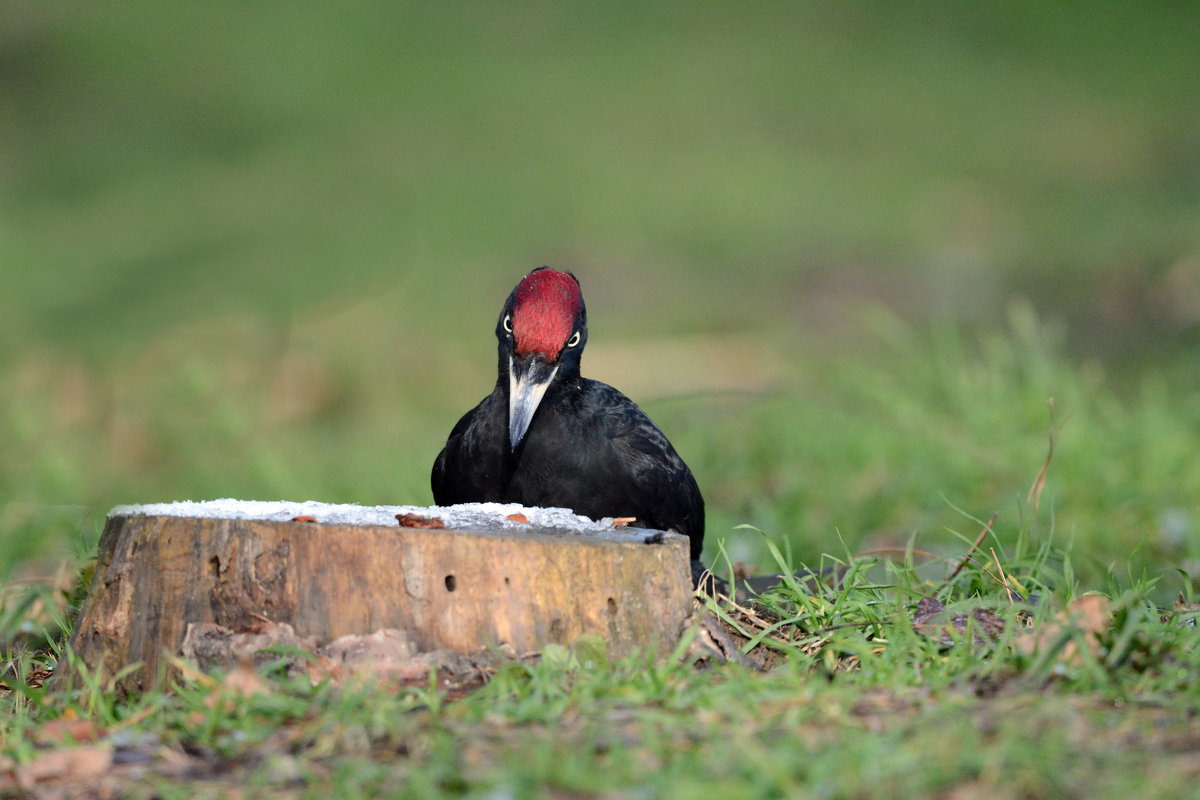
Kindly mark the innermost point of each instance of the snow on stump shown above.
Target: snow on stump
(462, 579)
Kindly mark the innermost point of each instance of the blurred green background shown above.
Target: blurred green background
(843, 254)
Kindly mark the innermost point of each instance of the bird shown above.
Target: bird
(546, 436)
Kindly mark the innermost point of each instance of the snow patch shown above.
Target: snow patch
(472, 516)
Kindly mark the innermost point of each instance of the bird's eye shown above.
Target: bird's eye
(508, 323)
(574, 340)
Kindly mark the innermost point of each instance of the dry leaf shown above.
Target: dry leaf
(930, 618)
(1088, 614)
(74, 762)
(58, 731)
(1091, 613)
(926, 609)
(241, 681)
(621, 522)
(419, 521)
(304, 518)
(517, 518)
(244, 681)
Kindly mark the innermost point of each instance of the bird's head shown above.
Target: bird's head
(542, 331)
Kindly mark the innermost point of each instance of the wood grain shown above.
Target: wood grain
(463, 591)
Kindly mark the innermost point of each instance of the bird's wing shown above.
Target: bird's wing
(451, 467)
(660, 475)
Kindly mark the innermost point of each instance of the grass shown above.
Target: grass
(870, 699)
(911, 717)
(846, 257)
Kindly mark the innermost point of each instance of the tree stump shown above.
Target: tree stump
(459, 590)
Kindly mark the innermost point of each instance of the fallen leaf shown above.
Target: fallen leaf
(37, 677)
(931, 618)
(517, 518)
(241, 681)
(58, 731)
(304, 518)
(73, 762)
(419, 521)
(927, 608)
(985, 621)
(621, 522)
(1089, 615)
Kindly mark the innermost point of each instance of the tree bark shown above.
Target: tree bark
(462, 591)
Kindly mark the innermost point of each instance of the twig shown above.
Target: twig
(723, 644)
(1003, 578)
(985, 571)
(974, 546)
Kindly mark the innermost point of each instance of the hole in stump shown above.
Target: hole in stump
(451, 583)
(612, 606)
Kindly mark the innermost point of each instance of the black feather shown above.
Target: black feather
(588, 448)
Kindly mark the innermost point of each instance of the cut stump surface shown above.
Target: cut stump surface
(458, 590)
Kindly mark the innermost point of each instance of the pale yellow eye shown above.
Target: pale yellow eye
(574, 340)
